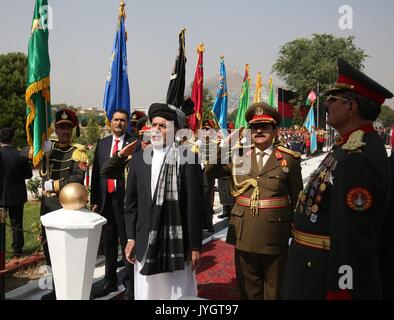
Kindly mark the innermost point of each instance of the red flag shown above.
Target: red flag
(194, 120)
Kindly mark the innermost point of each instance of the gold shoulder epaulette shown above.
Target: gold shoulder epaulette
(295, 154)
(79, 153)
(355, 141)
(80, 147)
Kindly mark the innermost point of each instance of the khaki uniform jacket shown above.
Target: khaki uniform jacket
(267, 232)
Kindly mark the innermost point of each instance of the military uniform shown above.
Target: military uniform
(67, 164)
(262, 214)
(338, 219)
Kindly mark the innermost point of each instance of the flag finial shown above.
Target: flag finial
(200, 48)
(122, 11)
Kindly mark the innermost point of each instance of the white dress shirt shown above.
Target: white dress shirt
(120, 144)
(266, 154)
(157, 161)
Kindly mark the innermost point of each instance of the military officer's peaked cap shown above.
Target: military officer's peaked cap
(262, 113)
(66, 116)
(352, 79)
(137, 115)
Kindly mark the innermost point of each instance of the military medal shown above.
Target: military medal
(323, 187)
(308, 211)
(309, 203)
(285, 169)
(315, 208)
(301, 209)
(303, 197)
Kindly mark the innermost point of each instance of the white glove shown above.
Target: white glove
(48, 185)
(47, 147)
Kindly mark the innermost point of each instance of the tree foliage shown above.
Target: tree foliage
(207, 105)
(387, 116)
(13, 75)
(91, 134)
(302, 63)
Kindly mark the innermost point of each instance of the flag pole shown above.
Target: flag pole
(318, 105)
(47, 173)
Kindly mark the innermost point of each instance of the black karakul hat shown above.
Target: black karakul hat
(167, 112)
(352, 79)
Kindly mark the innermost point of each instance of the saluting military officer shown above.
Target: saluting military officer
(67, 164)
(266, 193)
(338, 220)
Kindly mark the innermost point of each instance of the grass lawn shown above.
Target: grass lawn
(32, 227)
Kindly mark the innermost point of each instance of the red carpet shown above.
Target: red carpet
(216, 273)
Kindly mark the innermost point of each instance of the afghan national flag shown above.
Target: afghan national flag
(38, 95)
(176, 88)
(259, 87)
(198, 91)
(244, 101)
(117, 90)
(311, 98)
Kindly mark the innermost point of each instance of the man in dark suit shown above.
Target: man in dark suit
(164, 211)
(13, 194)
(338, 220)
(107, 198)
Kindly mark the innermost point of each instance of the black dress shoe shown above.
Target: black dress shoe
(106, 289)
(223, 215)
(128, 294)
(49, 296)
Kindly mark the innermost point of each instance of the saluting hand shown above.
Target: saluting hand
(128, 149)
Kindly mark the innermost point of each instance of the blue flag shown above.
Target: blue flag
(220, 105)
(309, 124)
(117, 94)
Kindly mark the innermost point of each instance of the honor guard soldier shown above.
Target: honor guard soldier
(340, 212)
(67, 164)
(266, 191)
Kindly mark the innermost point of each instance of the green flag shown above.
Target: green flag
(38, 94)
(244, 101)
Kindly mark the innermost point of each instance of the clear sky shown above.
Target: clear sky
(244, 31)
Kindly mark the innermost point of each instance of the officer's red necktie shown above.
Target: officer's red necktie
(111, 182)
